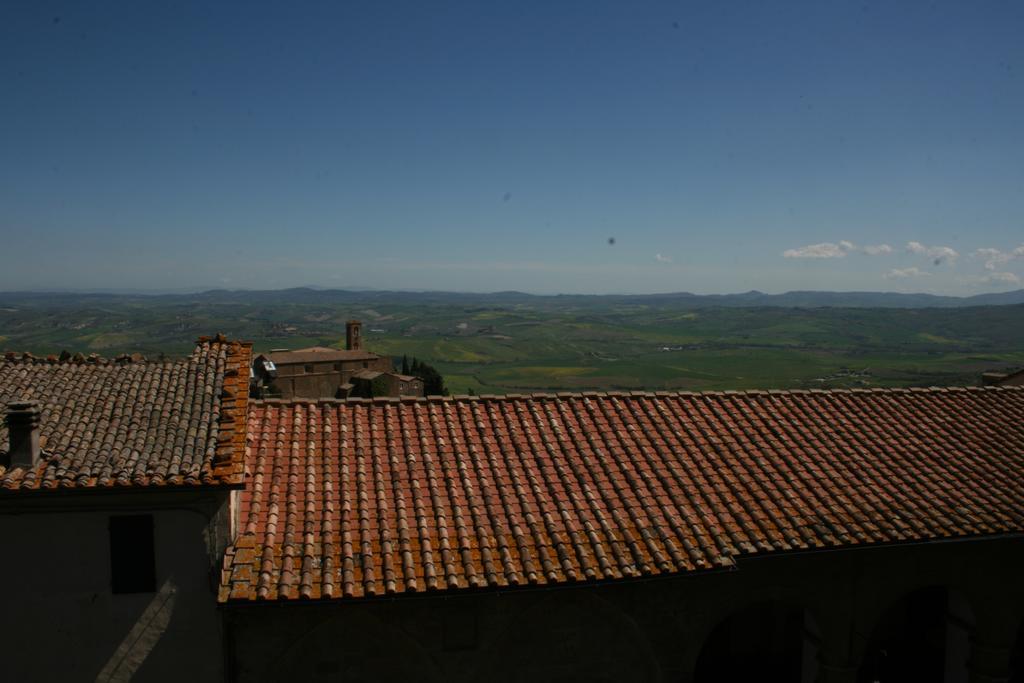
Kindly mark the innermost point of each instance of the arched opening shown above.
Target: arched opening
(767, 642)
(924, 636)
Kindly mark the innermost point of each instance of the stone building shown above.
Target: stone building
(1013, 378)
(323, 372)
(866, 535)
(371, 383)
(160, 525)
(116, 486)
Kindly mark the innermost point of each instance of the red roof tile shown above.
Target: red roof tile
(359, 498)
(318, 354)
(132, 423)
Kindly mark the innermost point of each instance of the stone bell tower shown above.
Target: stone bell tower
(354, 335)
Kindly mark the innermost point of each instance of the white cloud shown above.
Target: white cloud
(997, 278)
(901, 273)
(1001, 278)
(839, 249)
(662, 259)
(995, 258)
(936, 254)
(823, 250)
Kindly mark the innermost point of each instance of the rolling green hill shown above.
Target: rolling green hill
(517, 343)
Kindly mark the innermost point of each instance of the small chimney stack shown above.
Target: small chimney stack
(23, 434)
(354, 335)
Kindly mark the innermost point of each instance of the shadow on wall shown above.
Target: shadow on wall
(766, 641)
(142, 638)
(923, 636)
(65, 597)
(569, 636)
(562, 636)
(354, 645)
(1017, 657)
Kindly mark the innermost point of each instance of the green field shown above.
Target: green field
(490, 345)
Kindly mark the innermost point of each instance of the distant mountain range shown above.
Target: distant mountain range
(309, 295)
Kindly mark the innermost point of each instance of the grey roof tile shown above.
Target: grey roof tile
(132, 422)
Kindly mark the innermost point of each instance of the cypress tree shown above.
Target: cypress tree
(433, 382)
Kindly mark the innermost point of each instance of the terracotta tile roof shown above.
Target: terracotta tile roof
(368, 374)
(1013, 378)
(318, 354)
(361, 498)
(374, 374)
(125, 422)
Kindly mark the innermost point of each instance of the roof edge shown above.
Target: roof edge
(228, 466)
(467, 398)
(739, 561)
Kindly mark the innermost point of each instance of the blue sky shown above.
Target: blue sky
(489, 146)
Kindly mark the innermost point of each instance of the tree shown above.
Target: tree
(433, 382)
(405, 364)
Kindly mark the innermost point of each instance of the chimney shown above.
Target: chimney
(23, 434)
(353, 335)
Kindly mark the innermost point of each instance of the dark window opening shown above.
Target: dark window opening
(337, 367)
(308, 368)
(366, 364)
(132, 561)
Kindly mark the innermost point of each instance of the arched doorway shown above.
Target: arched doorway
(767, 642)
(924, 636)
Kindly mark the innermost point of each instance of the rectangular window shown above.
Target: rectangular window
(366, 364)
(337, 367)
(308, 368)
(132, 561)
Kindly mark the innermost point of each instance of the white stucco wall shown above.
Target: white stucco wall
(60, 620)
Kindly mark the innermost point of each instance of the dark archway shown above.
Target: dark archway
(924, 637)
(766, 642)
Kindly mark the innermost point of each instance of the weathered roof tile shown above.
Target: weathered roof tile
(132, 422)
(361, 498)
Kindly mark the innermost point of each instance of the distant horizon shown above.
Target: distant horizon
(357, 289)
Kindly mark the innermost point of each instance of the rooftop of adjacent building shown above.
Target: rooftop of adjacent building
(363, 497)
(128, 421)
(374, 374)
(1011, 378)
(317, 354)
